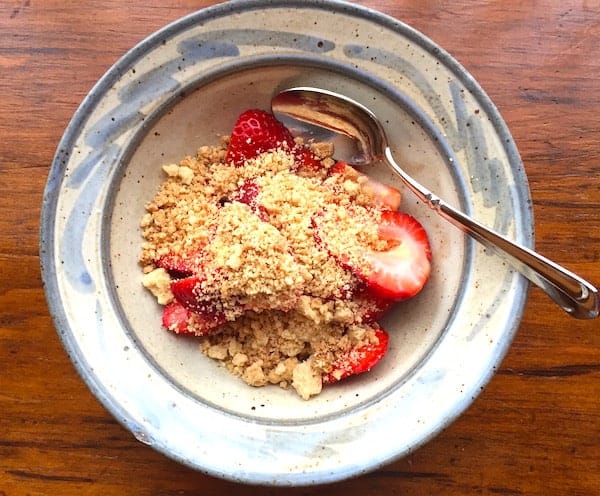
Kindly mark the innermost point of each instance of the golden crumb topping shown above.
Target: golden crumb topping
(251, 231)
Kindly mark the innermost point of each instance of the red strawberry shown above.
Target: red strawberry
(397, 273)
(384, 195)
(373, 307)
(176, 318)
(360, 359)
(178, 265)
(402, 271)
(341, 168)
(207, 313)
(256, 132)
(305, 160)
(248, 194)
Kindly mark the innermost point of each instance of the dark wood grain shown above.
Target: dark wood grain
(535, 430)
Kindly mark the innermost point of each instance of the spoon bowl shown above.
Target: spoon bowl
(357, 134)
(364, 141)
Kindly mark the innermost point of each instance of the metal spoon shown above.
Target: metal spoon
(363, 141)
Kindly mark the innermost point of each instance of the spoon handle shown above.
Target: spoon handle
(573, 294)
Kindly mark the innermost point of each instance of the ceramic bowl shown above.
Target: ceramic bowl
(183, 87)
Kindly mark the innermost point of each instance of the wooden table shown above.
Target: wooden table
(535, 430)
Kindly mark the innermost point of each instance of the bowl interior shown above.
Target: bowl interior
(199, 117)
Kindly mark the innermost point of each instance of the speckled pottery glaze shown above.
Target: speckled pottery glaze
(183, 87)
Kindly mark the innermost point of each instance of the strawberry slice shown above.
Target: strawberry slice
(384, 195)
(372, 306)
(402, 271)
(256, 132)
(248, 194)
(177, 265)
(305, 160)
(207, 312)
(394, 274)
(176, 318)
(360, 359)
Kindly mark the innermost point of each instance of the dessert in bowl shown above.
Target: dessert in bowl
(184, 88)
(281, 258)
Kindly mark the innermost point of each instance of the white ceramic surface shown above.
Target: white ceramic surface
(182, 88)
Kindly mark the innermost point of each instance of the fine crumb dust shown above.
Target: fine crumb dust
(259, 254)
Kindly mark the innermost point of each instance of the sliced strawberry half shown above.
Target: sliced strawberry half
(176, 318)
(394, 274)
(372, 306)
(179, 265)
(256, 132)
(248, 194)
(207, 312)
(384, 195)
(402, 271)
(360, 359)
(305, 160)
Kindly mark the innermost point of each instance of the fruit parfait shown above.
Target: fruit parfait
(280, 260)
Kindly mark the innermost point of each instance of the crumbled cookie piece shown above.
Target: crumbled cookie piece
(306, 380)
(158, 282)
